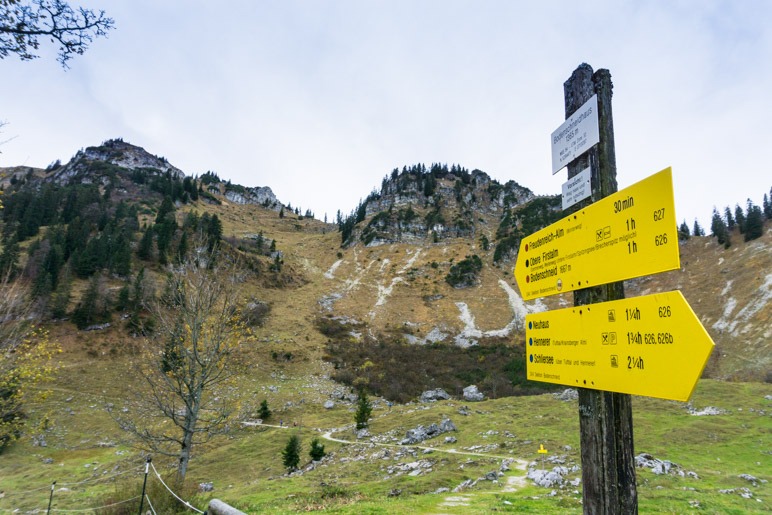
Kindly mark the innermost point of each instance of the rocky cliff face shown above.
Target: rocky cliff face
(108, 156)
(419, 205)
(261, 195)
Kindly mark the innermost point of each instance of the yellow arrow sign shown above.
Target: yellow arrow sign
(652, 345)
(542, 450)
(628, 234)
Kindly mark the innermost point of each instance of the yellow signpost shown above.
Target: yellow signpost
(628, 234)
(652, 345)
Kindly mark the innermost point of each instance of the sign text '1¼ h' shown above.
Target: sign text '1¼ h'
(652, 345)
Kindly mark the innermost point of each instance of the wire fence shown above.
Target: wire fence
(10, 495)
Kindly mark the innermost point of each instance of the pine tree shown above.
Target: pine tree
(291, 453)
(145, 247)
(60, 298)
(213, 232)
(93, 307)
(739, 217)
(729, 218)
(697, 231)
(182, 247)
(754, 222)
(768, 205)
(364, 409)
(124, 298)
(683, 232)
(719, 230)
(317, 450)
(9, 258)
(121, 256)
(167, 206)
(264, 412)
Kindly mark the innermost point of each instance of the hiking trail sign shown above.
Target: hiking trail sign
(627, 234)
(652, 345)
(576, 135)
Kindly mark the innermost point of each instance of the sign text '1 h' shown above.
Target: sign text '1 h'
(652, 345)
(628, 234)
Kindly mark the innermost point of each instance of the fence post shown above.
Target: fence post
(144, 484)
(51, 498)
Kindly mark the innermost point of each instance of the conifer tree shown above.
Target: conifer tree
(317, 450)
(767, 205)
(264, 412)
(683, 231)
(697, 231)
(291, 453)
(93, 307)
(364, 409)
(739, 217)
(719, 230)
(730, 223)
(9, 258)
(145, 247)
(167, 206)
(754, 222)
(214, 232)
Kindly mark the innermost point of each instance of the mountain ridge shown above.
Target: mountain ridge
(389, 266)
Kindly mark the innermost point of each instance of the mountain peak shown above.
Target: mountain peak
(117, 153)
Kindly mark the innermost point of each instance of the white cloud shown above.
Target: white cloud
(320, 100)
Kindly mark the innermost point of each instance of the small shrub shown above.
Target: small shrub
(465, 272)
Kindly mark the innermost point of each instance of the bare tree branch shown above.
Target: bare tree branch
(190, 361)
(24, 22)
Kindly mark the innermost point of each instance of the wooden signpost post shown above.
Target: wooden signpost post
(607, 346)
(605, 418)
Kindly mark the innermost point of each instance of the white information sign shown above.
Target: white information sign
(576, 136)
(576, 188)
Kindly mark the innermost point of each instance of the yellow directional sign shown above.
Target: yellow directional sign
(652, 345)
(627, 234)
(542, 450)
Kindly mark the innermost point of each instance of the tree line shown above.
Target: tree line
(78, 232)
(749, 222)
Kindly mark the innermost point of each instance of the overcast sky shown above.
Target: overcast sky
(321, 99)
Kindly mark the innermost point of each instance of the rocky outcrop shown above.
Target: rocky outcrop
(114, 153)
(438, 394)
(421, 433)
(472, 394)
(261, 195)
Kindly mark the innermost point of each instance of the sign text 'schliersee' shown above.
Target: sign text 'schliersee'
(652, 345)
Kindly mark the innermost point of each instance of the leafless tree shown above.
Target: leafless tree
(23, 23)
(190, 361)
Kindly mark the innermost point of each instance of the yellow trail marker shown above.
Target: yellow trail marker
(627, 234)
(542, 450)
(652, 345)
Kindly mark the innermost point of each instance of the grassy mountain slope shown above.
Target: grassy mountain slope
(391, 295)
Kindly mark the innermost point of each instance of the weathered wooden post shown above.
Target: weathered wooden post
(605, 418)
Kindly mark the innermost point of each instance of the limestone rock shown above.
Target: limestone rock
(472, 394)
